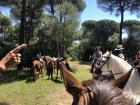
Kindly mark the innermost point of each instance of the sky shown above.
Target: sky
(92, 12)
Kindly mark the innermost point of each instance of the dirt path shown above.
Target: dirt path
(59, 97)
(62, 97)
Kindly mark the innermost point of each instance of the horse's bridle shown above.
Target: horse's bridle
(104, 64)
(87, 89)
(107, 61)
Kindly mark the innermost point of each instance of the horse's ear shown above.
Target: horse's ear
(110, 52)
(121, 82)
(72, 85)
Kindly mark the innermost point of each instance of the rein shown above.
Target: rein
(91, 92)
(87, 89)
(104, 64)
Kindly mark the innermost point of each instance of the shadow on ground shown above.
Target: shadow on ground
(57, 80)
(3, 103)
(11, 76)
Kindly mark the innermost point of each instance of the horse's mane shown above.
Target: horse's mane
(107, 94)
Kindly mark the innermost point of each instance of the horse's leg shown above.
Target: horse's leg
(41, 71)
(48, 73)
(52, 73)
(34, 74)
(57, 73)
(19, 68)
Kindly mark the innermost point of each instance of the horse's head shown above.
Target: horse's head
(106, 56)
(92, 92)
(46, 58)
(117, 65)
(105, 61)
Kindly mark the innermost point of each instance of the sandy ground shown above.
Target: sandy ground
(60, 97)
(63, 98)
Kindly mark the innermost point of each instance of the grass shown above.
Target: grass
(15, 91)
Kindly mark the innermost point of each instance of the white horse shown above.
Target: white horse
(119, 67)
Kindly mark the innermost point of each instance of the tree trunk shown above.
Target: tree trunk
(63, 39)
(121, 25)
(22, 24)
(58, 55)
(2, 30)
(30, 28)
(21, 34)
(52, 6)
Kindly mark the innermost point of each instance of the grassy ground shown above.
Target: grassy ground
(15, 91)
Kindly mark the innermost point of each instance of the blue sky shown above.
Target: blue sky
(92, 12)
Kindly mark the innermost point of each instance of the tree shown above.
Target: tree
(4, 23)
(119, 7)
(67, 13)
(103, 30)
(132, 43)
(88, 28)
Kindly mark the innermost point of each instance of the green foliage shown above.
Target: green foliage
(5, 22)
(80, 4)
(104, 29)
(132, 44)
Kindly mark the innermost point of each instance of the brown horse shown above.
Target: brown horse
(50, 68)
(95, 92)
(37, 67)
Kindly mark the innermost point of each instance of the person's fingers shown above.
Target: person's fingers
(15, 58)
(18, 62)
(18, 55)
(19, 58)
(15, 50)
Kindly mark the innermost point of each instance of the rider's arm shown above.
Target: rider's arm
(94, 56)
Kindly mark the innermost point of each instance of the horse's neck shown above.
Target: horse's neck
(105, 92)
(119, 64)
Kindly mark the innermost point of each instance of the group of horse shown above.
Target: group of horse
(41, 65)
(122, 89)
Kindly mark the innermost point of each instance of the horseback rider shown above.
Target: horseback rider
(119, 51)
(97, 56)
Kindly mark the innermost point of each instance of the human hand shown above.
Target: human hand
(12, 58)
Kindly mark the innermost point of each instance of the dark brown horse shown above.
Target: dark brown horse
(50, 68)
(95, 92)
